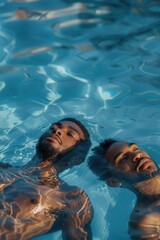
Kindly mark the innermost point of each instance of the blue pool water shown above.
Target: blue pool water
(96, 60)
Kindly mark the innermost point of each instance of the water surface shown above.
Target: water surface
(94, 60)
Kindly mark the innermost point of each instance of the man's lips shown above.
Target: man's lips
(54, 138)
(143, 164)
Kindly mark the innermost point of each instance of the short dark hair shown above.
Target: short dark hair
(104, 145)
(97, 162)
(82, 127)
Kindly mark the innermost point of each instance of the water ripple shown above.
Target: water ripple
(2, 85)
(150, 95)
(112, 91)
(151, 44)
(151, 68)
(97, 61)
(70, 23)
(24, 1)
(7, 42)
(72, 10)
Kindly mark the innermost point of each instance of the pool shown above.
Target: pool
(94, 60)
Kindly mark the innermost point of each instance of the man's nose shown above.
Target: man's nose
(59, 131)
(136, 156)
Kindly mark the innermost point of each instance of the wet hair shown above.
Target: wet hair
(105, 145)
(82, 127)
(98, 162)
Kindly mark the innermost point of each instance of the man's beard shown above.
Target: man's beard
(134, 178)
(45, 150)
(68, 158)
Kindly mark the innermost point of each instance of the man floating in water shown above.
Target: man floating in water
(125, 165)
(33, 200)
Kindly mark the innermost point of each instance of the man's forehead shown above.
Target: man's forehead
(71, 124)
(117, 147)
(74, 126)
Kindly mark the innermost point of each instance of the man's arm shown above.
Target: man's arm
(76, 224)
(74, 230)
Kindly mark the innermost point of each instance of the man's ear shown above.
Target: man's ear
(113, 182)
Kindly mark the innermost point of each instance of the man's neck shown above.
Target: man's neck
(42, 163)
(149, 188)
(59, 163)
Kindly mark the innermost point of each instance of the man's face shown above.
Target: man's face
(128, 157)
(61, 136)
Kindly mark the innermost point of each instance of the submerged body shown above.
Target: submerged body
(33, 200)
(28, 207)
(145, 218)
(124, 164)
(135, 169)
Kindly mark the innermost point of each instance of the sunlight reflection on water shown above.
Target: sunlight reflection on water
(96, 61)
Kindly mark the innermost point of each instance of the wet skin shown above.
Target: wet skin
(128, 157)
(28, 209)
(33, 198)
